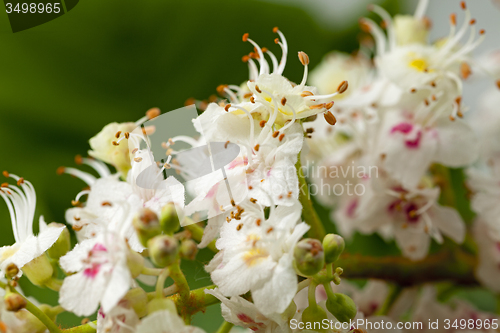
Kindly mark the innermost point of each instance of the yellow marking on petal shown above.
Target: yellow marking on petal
(254, 256)
(419, 64)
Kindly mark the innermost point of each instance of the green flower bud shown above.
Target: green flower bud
(39, 270)
(163, 250)
(169, 220)
(309, 257)
(146, 225)
(62, 244)
(341, 306)
(333, 246)
(135, 263)
(14, 302)
(188, 249)
(313, 315)
(158, 304)
(138, 300)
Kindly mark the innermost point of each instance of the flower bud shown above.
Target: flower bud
(188, 249)
(341, 306)
(135, 263)
(39, 270)
(158, 304)
(138, 300)
(163, 250)
(333, 245)
(314, 314)
(11, 271)
(309, 257)
(62, 244)
(14, 302)
(146, 225)
(169, 220)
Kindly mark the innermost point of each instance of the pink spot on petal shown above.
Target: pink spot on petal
(351, 208)
(92, 271)
(99, 247)
(245, 318)
(403, 128)
(415, 143)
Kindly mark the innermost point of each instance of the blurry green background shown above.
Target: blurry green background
(107, 61)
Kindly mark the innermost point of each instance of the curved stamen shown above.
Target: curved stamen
(81, 194)
(250, 118)
(98, 166)
(421, 9)
(391, 33)
(264, 66)
(86, 177)
(378, 35)
(13, 217)
(274, 60)
(253, 71)
(284, 48)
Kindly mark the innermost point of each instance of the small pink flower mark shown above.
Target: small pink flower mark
(92, 271)
(415, 143)
(404, 128)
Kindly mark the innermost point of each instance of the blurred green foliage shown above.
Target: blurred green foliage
(107, 61)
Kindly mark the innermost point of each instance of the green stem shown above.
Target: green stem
(197, 234)
(303, 284)
(52, 327)
(394, 292)
(160, 282)
(54, 284)
(87, 328)
(225, 327)
(196, 302)
(151, 271)
(311, 294)
(308, 212)
(183, 287)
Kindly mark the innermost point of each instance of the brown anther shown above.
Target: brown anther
(462, 5)
(433, 84)
(227, 107)
(60, 170)
(427, 22)
(153, 113)
(115, 143)
(413, 90)
(117, 135)
(280, 197)
(433, 97)
(76, 218)
(282, 135)
(4, 185)
(258, 221)
(310, 130)
(252, 55)
(252, 99)
(250, 187)
(452, 118)
(127, 134)
(304, 58)
(289, 195)
(3, 327)
(306, 93)
(138, 159)
(275, 30)
(135, 150)
(328, 106)
(317, 106)
(283, 101)
(75, 203)
(270, 229)
(220, 88)
(5, 174)
(460, 114)
(465, 70)
(262, 180)
(256, 148)
(239, 226)
(498, 84)
(228, 219)
(212, 98)
(364, 25)
(227, 142)
(262, 123)
(482, 32)
(342, 87)
(258, 89)
(189, 101)
(245, 37)
(245, 58)
(275, 134)
(233, 203)
(330, 118)
(426, 102)
(458, 100)
(247, 95)
(106, 203)
(253, 200)
(453, 19)
(20, 181)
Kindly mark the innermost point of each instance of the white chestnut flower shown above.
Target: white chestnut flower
(166, 322)
(257, 255)
(21, 202)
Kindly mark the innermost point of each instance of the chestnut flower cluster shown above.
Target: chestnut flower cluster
(394, 107)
